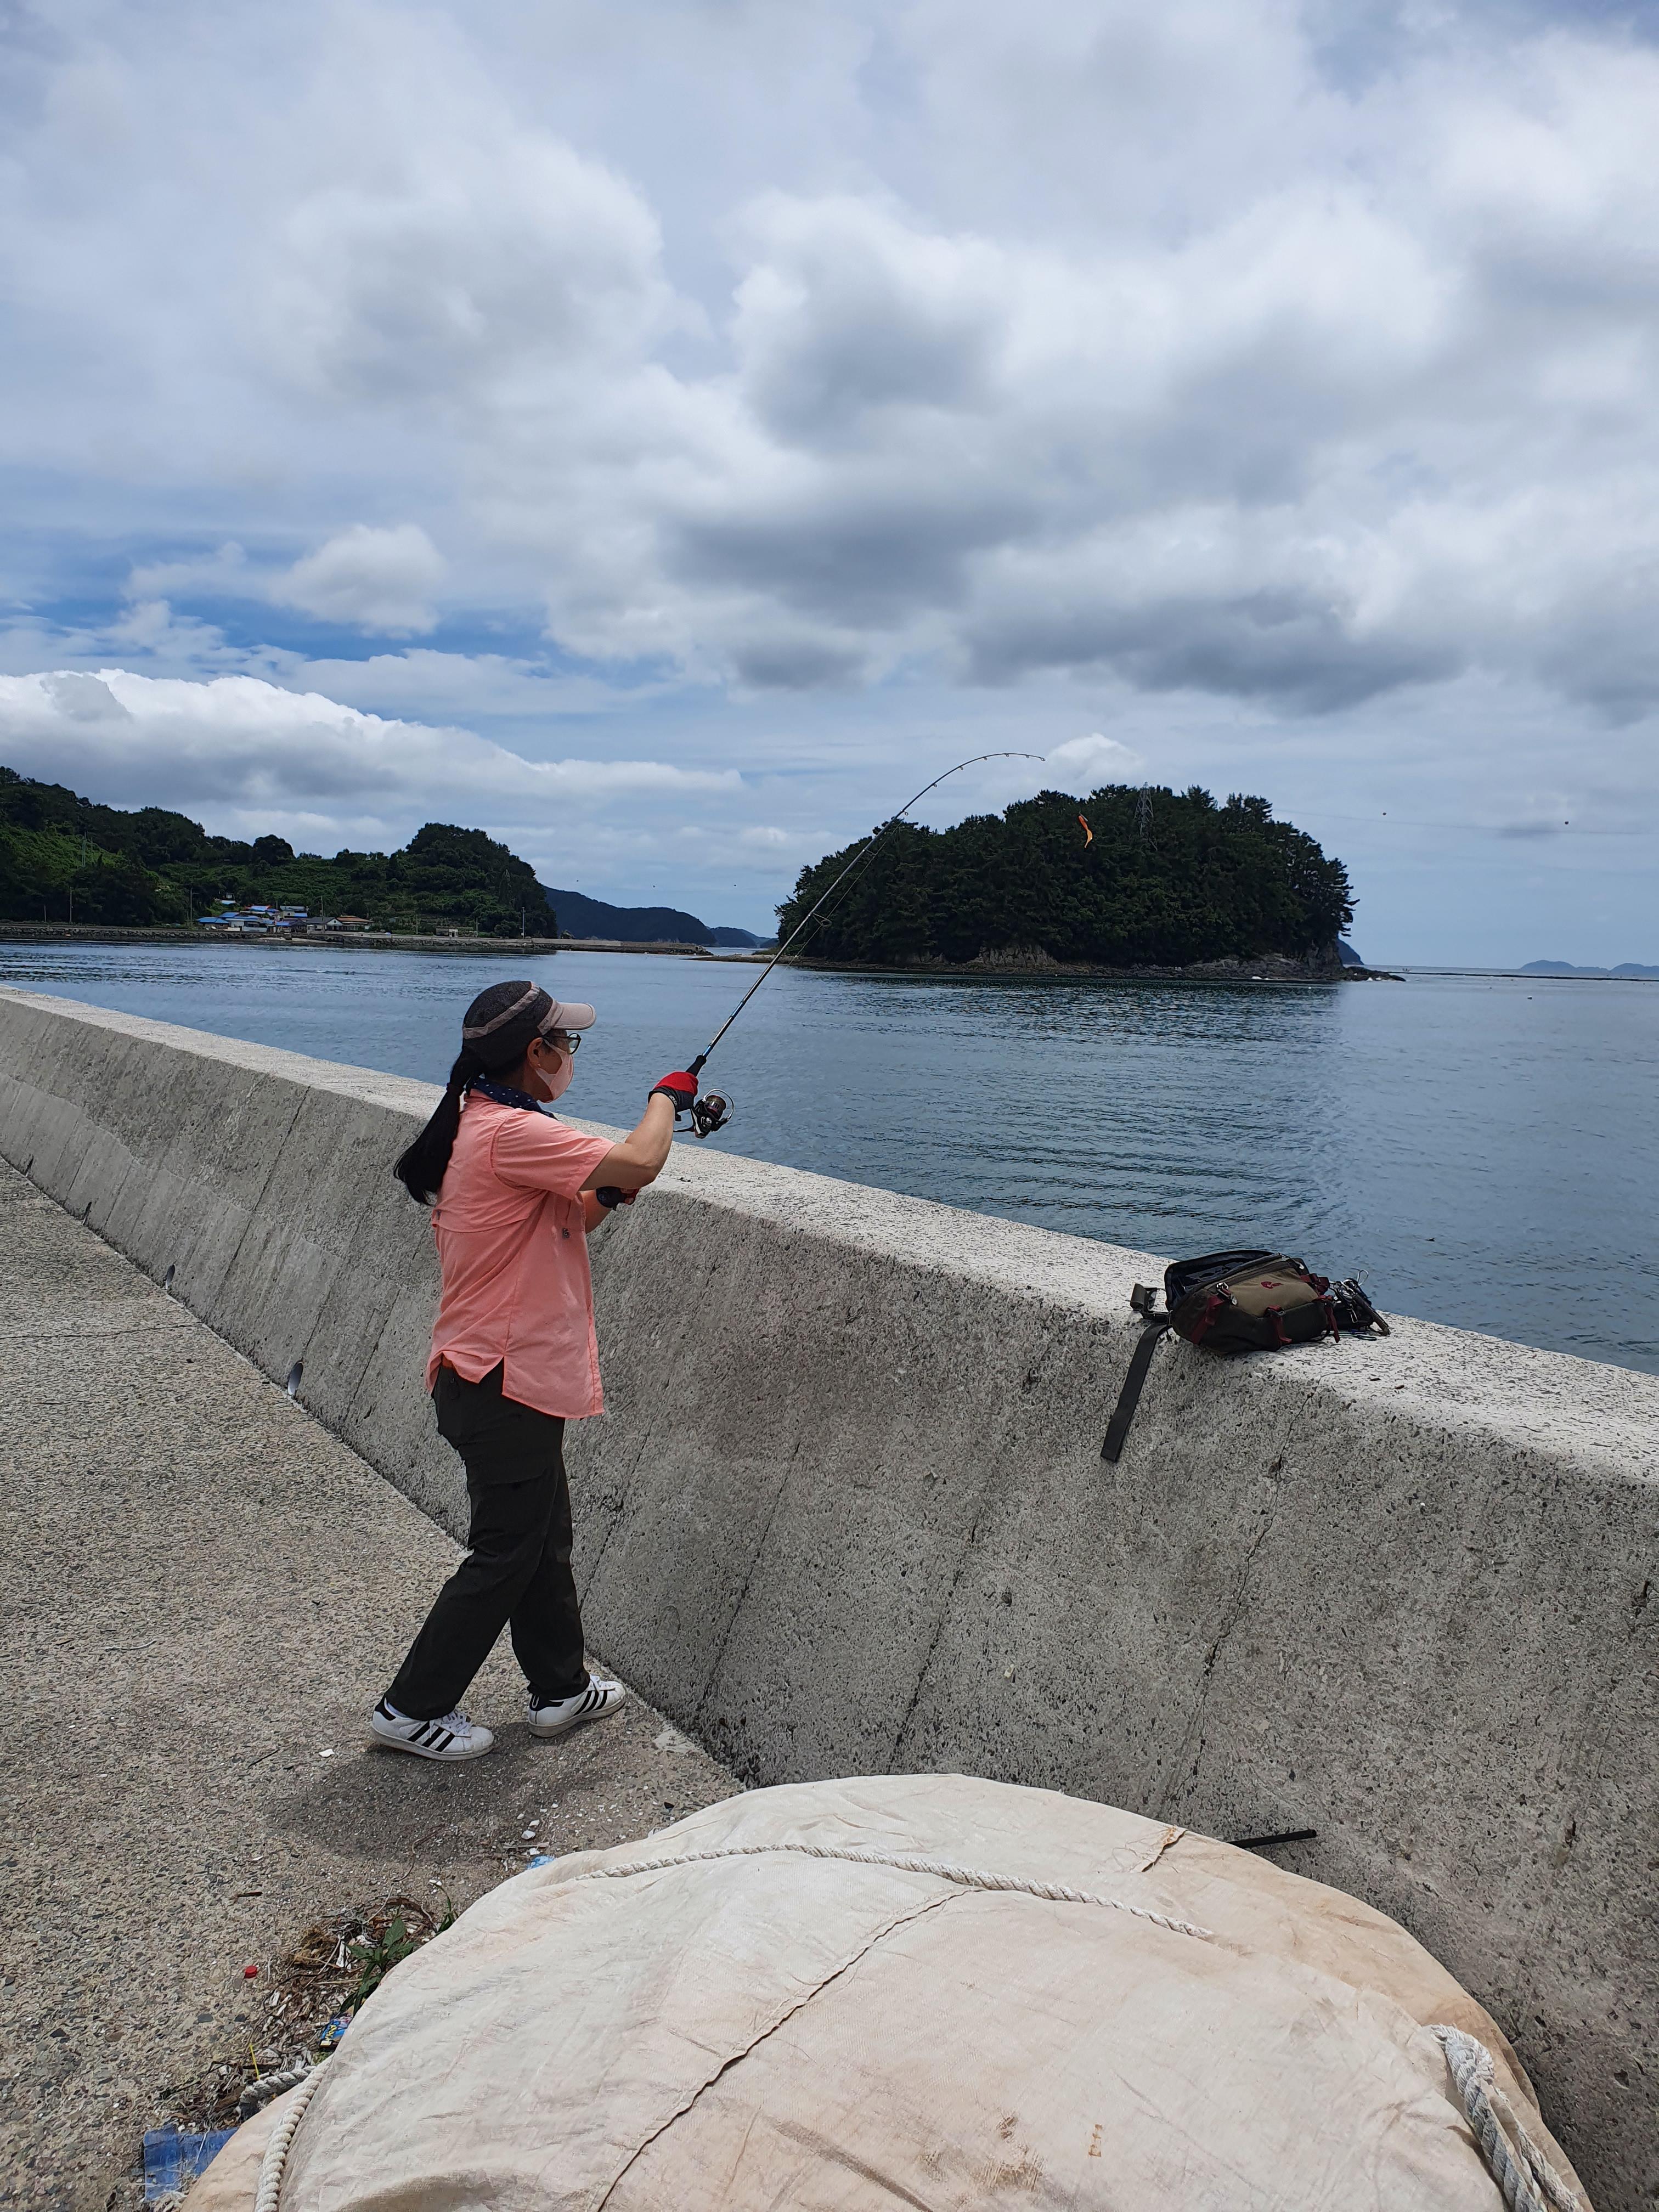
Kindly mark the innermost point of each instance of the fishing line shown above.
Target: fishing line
(715, 1108)
(848, 883)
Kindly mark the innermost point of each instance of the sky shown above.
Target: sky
(667, 435)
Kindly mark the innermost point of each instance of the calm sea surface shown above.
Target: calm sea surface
(1483, 1151)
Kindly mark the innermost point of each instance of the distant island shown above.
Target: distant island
(1127, 880)
(63, 858)
(581, 916)
(1566, 968)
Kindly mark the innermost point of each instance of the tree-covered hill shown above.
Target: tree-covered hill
(1169, 879)
(639, 925)
(66, 858)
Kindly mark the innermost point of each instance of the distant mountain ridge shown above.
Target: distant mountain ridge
(1566, 968)
(581, 916)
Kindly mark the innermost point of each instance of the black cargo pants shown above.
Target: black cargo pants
(517, 1569)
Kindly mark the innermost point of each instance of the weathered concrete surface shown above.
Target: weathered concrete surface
(848, 1513)
(202, 1591)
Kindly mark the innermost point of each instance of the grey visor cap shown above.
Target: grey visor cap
(504, 1021)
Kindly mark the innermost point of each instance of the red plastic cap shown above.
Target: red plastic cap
(248, 1972)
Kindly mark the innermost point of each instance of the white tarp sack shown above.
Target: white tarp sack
(1057, 2004)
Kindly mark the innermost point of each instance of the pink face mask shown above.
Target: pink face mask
(558, 1080)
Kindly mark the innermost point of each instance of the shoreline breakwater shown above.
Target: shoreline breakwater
(847, 1513)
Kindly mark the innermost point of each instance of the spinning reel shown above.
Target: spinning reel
(713, 1110)
(710, 1112)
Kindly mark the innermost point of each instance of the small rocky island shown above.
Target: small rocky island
(1126, 882)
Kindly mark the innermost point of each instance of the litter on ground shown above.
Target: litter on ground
(172, 2159)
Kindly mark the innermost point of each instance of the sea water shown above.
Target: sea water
(1481, 1150)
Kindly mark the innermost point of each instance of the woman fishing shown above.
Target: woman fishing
(514, 1193)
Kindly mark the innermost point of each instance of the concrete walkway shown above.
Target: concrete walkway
(202, 1593)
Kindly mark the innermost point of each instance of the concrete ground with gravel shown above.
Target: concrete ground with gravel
(202, 1594)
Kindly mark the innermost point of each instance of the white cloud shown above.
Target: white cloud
(151, 627)
(366, 578)
(376, 580)
(430, 684)
(239, 744)
(846, 314)
(1083, 764)
(465, 256)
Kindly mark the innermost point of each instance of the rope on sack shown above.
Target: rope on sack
(1533, 2185)
(969, 1877)
(274, 2164)
(259, 2093)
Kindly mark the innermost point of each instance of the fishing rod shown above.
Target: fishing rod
(713, 1111)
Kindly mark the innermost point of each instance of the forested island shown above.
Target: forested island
(1126, 878)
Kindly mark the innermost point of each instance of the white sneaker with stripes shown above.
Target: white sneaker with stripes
(602, 1696)
(452, 1735)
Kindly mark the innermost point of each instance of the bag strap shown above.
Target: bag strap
(1129, 1397)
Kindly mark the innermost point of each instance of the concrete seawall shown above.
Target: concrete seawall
(847, 1513)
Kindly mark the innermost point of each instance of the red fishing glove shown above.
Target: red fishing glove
(679, 1089)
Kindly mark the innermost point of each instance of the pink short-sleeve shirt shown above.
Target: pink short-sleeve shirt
(512, 1251)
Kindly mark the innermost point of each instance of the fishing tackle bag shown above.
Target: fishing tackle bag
(1237, 1301)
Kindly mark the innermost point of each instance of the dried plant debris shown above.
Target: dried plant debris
(309, 1998)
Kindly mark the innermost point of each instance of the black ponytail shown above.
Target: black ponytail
(497, 1030)
(420, 1169)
